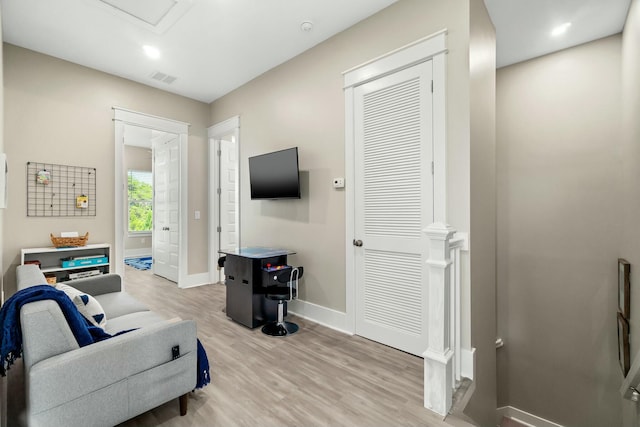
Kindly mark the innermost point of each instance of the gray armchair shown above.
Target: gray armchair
(107, 382)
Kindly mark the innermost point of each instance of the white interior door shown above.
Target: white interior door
(166, 208)
(228, 196)
(393, 204)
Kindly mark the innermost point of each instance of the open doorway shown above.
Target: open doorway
(152, 208)
(224, 184)
(138, 166)
(150, 198)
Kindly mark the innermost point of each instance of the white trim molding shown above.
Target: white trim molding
(523, 417)
(467, 363)
(322, 315)
(184, 211)
(149, 121)
(224, 128)
(349, 201)
(137, 253)
(193, 280)
(391, 62)
(439, 356)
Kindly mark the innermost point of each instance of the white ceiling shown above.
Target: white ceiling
(214, 46)
(523, 27)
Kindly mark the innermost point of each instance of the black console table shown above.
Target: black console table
(247, 271)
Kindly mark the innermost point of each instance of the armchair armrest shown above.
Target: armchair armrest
(145, 352)
(29, 275)
(45, 332)
(98, 285)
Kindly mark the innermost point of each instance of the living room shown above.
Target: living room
(60, 112)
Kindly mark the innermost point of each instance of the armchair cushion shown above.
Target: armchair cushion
(118, 304)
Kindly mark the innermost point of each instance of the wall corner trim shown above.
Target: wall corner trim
(193, 280)
(523, 417)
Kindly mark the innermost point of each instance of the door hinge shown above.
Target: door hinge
(219, 191)
(432, 168)
(219, 152)
(219, 229)
(431, 86)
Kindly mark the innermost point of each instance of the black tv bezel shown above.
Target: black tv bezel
(299, 196)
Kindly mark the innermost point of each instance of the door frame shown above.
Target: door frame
(231, 126)
(432, 47)
(122, 117)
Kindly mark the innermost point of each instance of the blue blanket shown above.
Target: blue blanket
(11, 337)
(203, 377)
(84, 332)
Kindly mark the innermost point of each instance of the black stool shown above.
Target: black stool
(286, 290)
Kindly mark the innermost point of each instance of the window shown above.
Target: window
(140, 191)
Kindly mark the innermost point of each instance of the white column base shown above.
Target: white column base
(438, 370)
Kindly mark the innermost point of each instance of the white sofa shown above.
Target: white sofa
(110, 381)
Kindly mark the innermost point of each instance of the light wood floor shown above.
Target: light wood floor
(316, 377)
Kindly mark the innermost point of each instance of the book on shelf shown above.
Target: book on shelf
(83, 274)
(71, 263)
(71, 258)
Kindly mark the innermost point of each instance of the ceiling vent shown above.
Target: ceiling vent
(162, 77)
(155, 15)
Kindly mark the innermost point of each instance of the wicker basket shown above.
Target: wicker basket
(69, 242)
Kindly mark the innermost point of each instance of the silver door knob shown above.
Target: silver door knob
(357, 242)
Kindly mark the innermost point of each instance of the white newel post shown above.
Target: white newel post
(438, 358)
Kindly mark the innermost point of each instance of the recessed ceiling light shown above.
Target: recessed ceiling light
(151, 51)
(306, 26)
(560, 29)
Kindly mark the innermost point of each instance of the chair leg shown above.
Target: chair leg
(184, 401)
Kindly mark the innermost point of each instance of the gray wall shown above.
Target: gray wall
(630, 242)
(559, 230)
(482, 66)
(59, 112)
(301, 103)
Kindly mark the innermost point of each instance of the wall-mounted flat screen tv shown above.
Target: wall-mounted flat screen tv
(275, 175)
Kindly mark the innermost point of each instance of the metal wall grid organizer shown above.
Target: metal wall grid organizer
(53, 190)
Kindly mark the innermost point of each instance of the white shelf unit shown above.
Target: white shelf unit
(50, 259)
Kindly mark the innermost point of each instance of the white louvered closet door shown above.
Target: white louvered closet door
(393, 204)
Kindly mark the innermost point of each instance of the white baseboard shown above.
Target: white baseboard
(467, 362)
(523, 417)
(322, 315)
(137, 253)
(193, 280)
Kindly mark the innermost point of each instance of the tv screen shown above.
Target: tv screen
(275, 175)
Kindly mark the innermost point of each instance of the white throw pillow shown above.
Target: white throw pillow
(87, 305)
(69, 290)
(91, 309)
